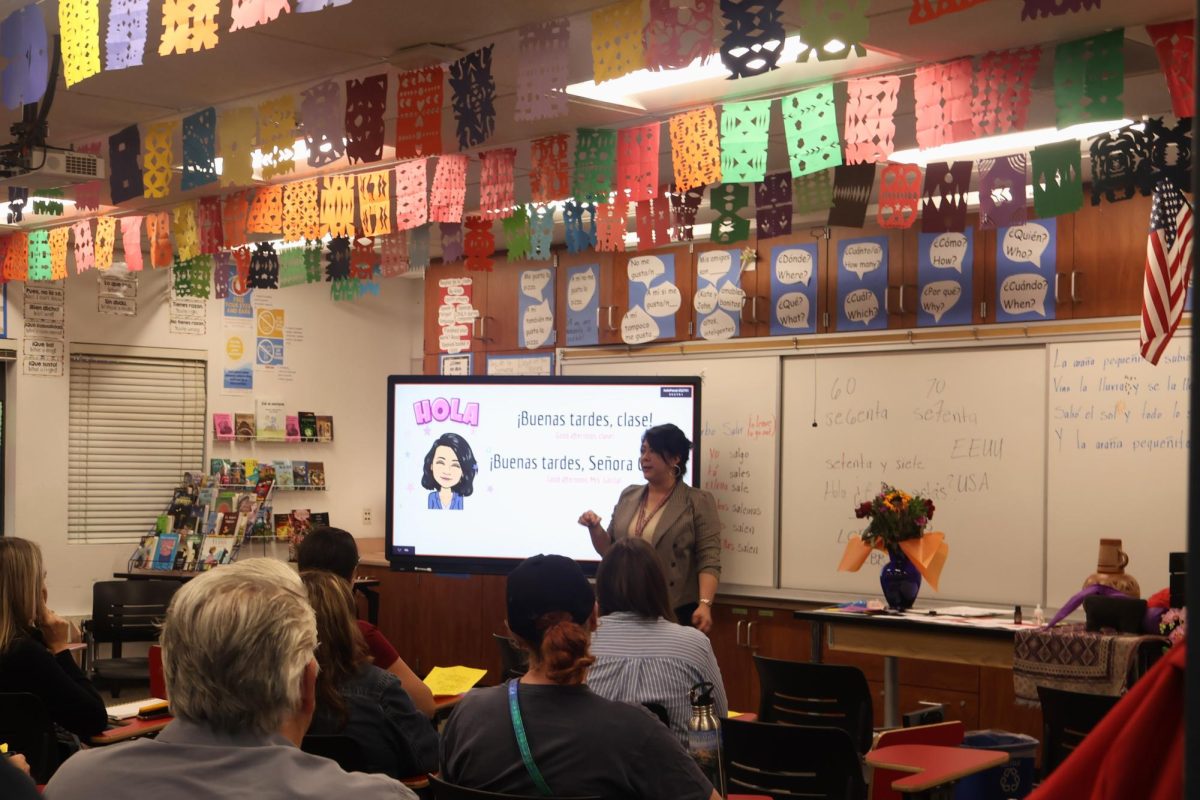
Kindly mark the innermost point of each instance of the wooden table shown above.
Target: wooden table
(935, 768)
(912, 635)
(130, 729)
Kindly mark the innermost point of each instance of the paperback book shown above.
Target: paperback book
(324, 428)
(316, 473)
(244, 428)
(164, 552)
(308, 425)
(223, 427)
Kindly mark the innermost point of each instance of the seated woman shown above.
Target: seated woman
(335, 550)
(642, 655)
(357, 699)
(579, 744)
(33, 644)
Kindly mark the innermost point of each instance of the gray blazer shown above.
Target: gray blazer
(687, 537)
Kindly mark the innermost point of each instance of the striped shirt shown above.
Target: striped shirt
(641, 660)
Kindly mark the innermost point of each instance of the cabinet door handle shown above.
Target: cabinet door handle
(1056, 277)
(750, 635)
(738, 635)
(901, 294)
(479, 328)
(1074, 297)
(886, 295)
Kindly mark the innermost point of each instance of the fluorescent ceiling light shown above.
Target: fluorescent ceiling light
(1005, 144)
(623, 91)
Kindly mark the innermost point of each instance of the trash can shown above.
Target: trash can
(1011, 780)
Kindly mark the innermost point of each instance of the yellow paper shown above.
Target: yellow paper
(337, 205)
(188, 26)
(79, 24)
(375, 202)
(187, 239)
(266, 211)
(277, 135)
(617, 47)
(449, 681)
(928, 554)
(237, 130)
(156, 159)
(106, 237)
(300, 211)
(58, 252)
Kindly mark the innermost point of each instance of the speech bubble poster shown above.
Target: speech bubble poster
(945, 278)
(793, 289)
(862, 283)
(1026, 260)
(535, 308)
(653, 299)
(583, 305)
(719, 296)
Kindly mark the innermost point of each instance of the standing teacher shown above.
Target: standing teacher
(679, 521)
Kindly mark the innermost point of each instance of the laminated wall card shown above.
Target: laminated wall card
(862, 267)
(653, 299)
(1026, 261)
(323, 123)
(945, 278)
(793, 289)
(542, 76)
(583, 305)
(678, 33)
(719, 296)
(419, 112)
(535, 309)
(810, 129)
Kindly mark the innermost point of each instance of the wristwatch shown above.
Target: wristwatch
(706, 601)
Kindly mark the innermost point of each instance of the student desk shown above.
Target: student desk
(915, 634)
(935, 768)
(130, 729)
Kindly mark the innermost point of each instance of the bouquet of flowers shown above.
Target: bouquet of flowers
(1173, 625)
(895, 516)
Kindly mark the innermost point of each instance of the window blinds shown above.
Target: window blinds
(136, 425)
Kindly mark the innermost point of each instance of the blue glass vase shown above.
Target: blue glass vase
(900, 580)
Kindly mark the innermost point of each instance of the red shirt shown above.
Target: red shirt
(381, 649)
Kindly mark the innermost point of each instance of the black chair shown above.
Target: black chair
(804, 693)
(513, 661)
(124, 611)
(448, 791)
(660, 711)
(790, 761)
(347, 752)
(26, 727)
(1067, 717)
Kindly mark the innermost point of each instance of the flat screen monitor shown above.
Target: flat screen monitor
(483, 472)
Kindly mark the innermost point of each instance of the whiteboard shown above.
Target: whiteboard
(1117, 459)
(965, 427)
(739, 406)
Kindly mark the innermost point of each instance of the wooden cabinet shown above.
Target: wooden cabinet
(907, 295)
(894, 276)
(1108, 261)
(817, 287)
(684, 282)
(741, 631)
(607, 320)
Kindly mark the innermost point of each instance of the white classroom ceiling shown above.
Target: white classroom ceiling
(369, 36)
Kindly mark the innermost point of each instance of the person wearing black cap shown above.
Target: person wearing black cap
(547, 733)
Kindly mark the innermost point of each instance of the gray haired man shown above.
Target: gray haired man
(238, 660)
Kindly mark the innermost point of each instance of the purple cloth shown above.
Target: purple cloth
(1077, 600)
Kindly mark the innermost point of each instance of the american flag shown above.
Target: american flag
(1168, 269)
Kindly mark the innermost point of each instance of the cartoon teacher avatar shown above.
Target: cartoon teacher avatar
(450, 472)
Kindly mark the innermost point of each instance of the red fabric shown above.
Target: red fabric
(1137, 749)
(1160, 599)
(381, 649)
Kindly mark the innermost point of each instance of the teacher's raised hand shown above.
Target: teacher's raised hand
(600, 538)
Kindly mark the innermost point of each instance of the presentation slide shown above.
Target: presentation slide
(481, 469)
